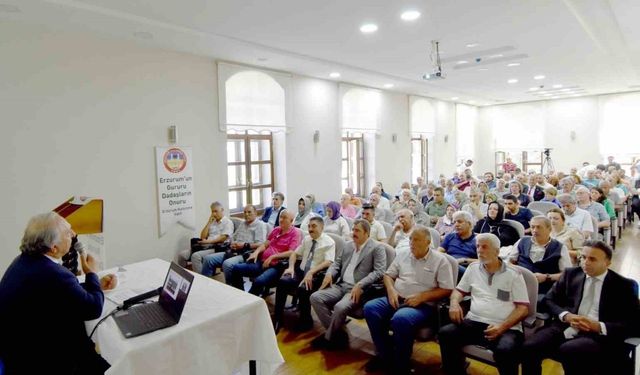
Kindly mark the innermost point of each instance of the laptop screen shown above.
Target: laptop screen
(175, 290)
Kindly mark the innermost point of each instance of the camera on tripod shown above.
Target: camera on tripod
(547, 152)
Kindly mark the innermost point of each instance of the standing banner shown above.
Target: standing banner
(174, 167)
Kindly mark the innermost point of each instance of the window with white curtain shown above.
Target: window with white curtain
(466, 120)
(359, 109)
(423, 128)
(619, 124)
(252, 99)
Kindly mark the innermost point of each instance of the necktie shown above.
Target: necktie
(586, 304)
(307, 266)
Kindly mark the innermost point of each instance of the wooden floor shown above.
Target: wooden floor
(301, 359)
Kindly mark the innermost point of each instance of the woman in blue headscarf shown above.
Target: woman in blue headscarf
(334, 222)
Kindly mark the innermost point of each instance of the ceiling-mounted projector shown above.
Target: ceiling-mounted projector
(436, 73)
(433, 76)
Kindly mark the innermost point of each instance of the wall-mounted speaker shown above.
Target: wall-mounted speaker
(572, 135)
(446, 138)
(173, 134)
(316, 136)
(394, 137)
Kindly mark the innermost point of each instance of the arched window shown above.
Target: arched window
(360, 110)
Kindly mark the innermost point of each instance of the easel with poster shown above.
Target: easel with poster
(85, 215)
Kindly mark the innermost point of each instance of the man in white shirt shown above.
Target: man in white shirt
(541, 254)
(499, 302)
(316, 252)
(377, 229)
(576, 217)
(384, 202)
(594, 310)
(214, 236)
(414, 282)
(399, 237)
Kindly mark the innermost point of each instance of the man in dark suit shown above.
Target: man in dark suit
(43, 306)
(271, 214)
(361, 263)
(595, 310)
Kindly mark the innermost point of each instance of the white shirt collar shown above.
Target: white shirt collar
(599, 277)
(54, 260)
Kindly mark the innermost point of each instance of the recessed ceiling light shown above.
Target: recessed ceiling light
(554, 97)
(538, 77)
(143, 35)
(388, 85)
(462, 62)
(471, 45)
(533, 88)
(410, 15)
(496, 56)
(483, 69)
(513, 64)
(455, 98)
(368, 28)
(557, 86)
(334, 75)
(565, 90)
(8, 8)
(512, 80)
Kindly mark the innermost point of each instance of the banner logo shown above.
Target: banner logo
(174, 160)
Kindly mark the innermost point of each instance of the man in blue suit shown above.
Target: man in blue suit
(271, 214)
(43, 307)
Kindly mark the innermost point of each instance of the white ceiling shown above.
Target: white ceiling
(590, 44)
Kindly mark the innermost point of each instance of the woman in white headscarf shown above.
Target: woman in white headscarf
(304, 214)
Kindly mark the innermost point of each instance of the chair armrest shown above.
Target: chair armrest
(634, 341)
(529, 322)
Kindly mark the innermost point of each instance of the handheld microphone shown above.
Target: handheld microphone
(79, 247)
(141, 297)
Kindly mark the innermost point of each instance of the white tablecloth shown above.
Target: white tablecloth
(221, 329)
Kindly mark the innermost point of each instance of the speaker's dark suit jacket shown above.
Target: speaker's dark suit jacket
(618, 309)
(43, 308)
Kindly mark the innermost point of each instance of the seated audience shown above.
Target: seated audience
(352, 197)
(501, 188)
(246, 238)
(384, 201)
(445, 224)
(419, 186)
(449, 191)
(427, 194)
(591, 181)
(305, 274)
(515, 187)
(475, 207)
(381, 214)
(483, 189)
(271, 214)
(489, 179)
(567, 184)
(382, 193)
(316, 207)
(595, 209)
(461, 243)
(334, 222)
(43, 307)
(214, 237)
(514, 212)
(509, 166)
(438, 206)
(550, 194)
(570, 237)
(595, 310)
(541, 254)
(414, 282)
(402, 202)
(419, 216)
(377, 231)
(362, 263)
(597, 195)
(459, 199)
(576, 217)
(399, 237)
(490, 197)
(536, 191)
(264, 264)
(494, 223)
(305, 213)
(499, 302)
(346, 208)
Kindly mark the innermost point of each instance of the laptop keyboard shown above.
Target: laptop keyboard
(152, 316)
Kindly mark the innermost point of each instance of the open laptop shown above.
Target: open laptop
(166, 312)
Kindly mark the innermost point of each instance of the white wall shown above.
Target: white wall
(81, 116)
(393, 159)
